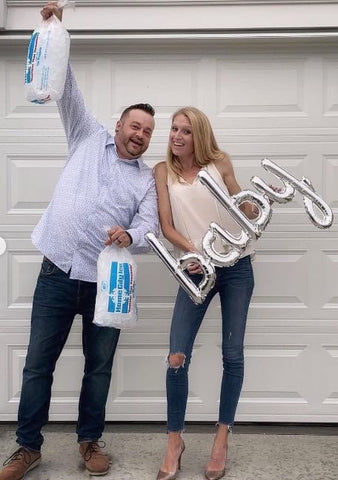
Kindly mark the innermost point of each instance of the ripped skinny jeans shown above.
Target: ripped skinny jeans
(234, 285)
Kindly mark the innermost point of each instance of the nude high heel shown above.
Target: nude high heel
(171, 475)
(216, 474)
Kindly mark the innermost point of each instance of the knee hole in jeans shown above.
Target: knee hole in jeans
(176, 360)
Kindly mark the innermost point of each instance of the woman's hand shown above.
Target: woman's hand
(254, 208)
(194, 268)
(275, 189)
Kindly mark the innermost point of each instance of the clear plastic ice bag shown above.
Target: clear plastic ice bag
(116, 294)
(47, 60)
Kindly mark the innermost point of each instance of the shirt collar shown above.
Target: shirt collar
(136, 161)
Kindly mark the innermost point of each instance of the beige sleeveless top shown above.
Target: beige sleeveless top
(194, 208)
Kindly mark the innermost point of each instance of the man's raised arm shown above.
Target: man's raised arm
(78, 122)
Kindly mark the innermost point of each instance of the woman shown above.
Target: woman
(186, 208)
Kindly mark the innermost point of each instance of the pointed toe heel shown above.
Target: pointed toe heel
(214, 474)
(166, 475)
(171, 475)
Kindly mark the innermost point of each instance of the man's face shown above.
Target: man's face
(133, 134)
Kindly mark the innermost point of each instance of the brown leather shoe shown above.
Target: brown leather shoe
(96, 462)
(19, 463)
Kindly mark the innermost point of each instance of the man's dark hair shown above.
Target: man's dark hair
(145, 107)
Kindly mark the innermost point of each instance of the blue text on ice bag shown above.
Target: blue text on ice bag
(120, 287)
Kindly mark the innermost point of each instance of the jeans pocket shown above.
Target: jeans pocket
(47, 267)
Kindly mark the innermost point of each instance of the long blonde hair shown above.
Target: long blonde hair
(206, 149)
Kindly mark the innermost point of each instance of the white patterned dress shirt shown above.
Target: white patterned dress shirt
(96, 190)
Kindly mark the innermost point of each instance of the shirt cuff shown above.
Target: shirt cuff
(130, 238)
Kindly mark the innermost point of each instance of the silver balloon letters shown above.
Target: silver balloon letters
(250, 229)
(196, 292)
(304, 187)
(232, 205)
(236, 245)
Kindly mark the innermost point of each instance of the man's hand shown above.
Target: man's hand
(118, 236)
(51, 9)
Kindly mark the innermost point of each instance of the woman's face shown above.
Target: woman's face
(181, 139)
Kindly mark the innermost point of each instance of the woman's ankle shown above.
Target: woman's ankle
(174, 438)
(222, 435)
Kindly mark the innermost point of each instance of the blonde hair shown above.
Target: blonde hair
(206, 149)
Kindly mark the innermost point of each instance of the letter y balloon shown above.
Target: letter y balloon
(303, 186)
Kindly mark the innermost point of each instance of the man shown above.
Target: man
(104, 182)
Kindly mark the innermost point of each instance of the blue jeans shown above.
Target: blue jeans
(57, 299)
(234, 285)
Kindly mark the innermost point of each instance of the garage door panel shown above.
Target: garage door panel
(284, 369)
(16, 111)
(330, 175)
(275, 91)
(149, 362)
(331, 349)
(329, 274)
(18, 275)
(265, 360)
(164, 289)
(29, 173)
(24, 268)
(330, 82)
(32, 181)
(87, 70)
(302, 285)
(261, 87)
(66, 388)
(166, 83)
(288, 290)
(14, 354)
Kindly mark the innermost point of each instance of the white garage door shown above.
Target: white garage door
(280, 103)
